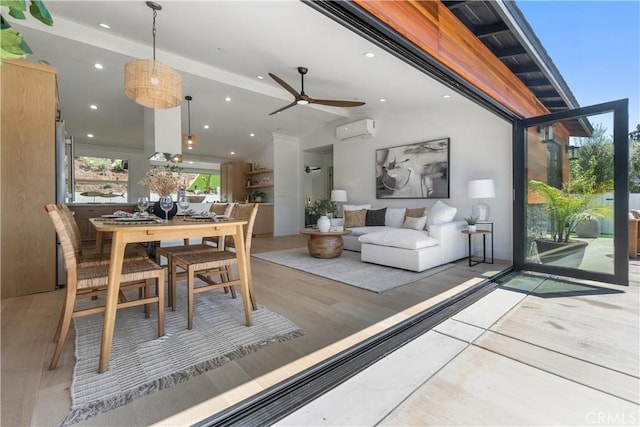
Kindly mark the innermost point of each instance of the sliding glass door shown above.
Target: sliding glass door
(571, 195)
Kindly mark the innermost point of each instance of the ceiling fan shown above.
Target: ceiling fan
(309, 169)
(302, 98)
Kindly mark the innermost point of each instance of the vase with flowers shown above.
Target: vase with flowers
(164, 181)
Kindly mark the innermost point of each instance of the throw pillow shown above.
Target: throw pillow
(394, 217)
(415, 223)
(355, 207)
(441, 213)
(375, 217)
(355, 218)
(414, 213)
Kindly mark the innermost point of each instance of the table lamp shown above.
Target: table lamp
(481, 189)
(339, 196)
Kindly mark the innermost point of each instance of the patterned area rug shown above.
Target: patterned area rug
(142, 363)
(348, 268)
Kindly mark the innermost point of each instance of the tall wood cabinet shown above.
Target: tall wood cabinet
(233, 181)
(28, 244)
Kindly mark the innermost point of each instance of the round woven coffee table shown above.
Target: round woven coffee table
(325, 245)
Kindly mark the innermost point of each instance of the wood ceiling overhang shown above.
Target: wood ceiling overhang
(494, 50)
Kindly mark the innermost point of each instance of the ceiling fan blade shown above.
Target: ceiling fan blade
(283, 108)
(285, 85)
(335, 103)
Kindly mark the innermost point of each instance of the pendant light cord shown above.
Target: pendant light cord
(189, 114)
(153, 32)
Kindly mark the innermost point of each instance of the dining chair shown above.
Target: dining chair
(207, 264)
(86, 257)
(91, 280)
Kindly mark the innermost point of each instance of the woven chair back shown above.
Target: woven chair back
(244, 212)
(64, 236)
(72, 228)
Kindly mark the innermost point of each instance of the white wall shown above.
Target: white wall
(287, 179)
(480, 147)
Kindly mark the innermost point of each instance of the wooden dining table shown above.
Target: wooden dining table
(124, 232)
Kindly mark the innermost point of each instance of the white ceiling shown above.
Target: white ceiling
(219, 48)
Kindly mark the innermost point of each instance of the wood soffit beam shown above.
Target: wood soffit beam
(491, 29)
(438, 32)
(509, 52)
(454, 4)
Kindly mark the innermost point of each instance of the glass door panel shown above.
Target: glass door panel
(574, 173)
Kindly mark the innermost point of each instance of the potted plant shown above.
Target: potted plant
(471, 223)
(322, 208)
(258, 196)
(563, 210)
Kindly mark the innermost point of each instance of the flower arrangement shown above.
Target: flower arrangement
(161, 180)
(323, 207)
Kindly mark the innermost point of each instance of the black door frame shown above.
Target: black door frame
(620, 112)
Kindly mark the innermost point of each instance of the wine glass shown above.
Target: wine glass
(183, 203)
(143, 203)
(166, 203)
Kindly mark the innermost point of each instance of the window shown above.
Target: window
(100, 180)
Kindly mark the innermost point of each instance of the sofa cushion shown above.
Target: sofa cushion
(441, 213)
(359, 231)
(400, 238)
(414, 212)
(394, 217)
(355, 218)
(415, 223)
(355, 207)
(375, 217)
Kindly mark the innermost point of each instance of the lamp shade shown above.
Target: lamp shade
(481, 189)
(152, 84)
(189, 140)
(339, 195)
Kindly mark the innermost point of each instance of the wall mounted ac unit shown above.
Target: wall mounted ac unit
(361, 129)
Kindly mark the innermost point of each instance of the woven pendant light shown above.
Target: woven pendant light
(189, 139)
(151, 83)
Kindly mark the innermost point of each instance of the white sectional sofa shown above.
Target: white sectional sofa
(395, 245)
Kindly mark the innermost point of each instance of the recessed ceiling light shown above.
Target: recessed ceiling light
(369, 54)
(446, 96)
(89, 135)
(190, 163)
(228, 98)
(260, 77)
(383, 100)
(252, 134)
(98, 66)
(206, 126)
(103, 25)
(93, 107)
(233, 152)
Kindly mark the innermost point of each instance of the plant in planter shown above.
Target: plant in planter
(258, 196)
(472, 221)
(564, 208)
(321, 208)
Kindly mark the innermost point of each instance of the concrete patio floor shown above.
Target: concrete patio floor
(536, 351)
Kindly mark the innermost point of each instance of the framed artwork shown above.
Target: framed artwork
(413, 171)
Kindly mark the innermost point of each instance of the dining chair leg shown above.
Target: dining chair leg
(56, 337)
(226, 277)
(252, 295)
(190, 292)
(160, 292)
(173, 285)
(64, 328)
(146, 292)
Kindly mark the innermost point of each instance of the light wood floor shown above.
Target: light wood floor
(327, 311)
